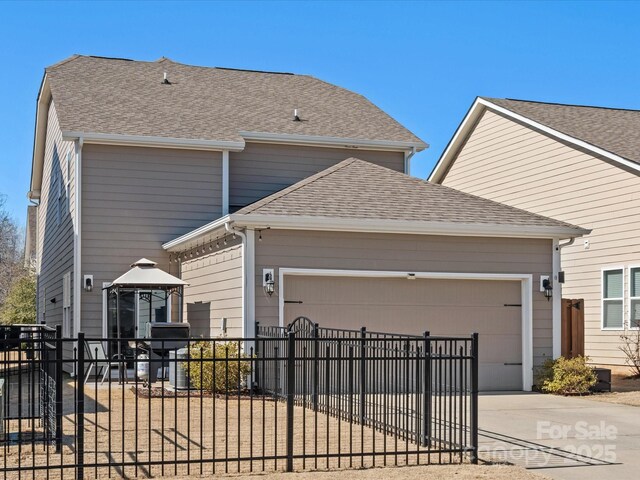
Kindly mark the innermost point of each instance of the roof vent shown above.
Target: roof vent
(296, 117)
(165, 80)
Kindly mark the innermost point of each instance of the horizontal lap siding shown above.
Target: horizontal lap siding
(511, 163)
(54, 239)
(133, 200)
(411, 253)
(262, 169)
(214, 292)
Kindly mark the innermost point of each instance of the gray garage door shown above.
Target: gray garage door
(443, 307)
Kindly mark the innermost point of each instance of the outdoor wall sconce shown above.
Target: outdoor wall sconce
(53, 300)
(88, 283)
(268, 282)
(548, 288)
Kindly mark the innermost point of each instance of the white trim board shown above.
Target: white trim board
(335, 142)
(468, 123)
(526, 281)
(408, 227)
(151, 141)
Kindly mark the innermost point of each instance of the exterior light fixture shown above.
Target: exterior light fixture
(268, 282)
(88, 283)
(548, 288)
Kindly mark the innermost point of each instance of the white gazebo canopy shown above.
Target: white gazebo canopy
(145, 273)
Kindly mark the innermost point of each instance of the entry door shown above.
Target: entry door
(442, 307)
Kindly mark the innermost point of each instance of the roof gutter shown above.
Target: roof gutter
(39, 138)
(254, 221)
(335, 142)
(406, 227)
(150, 141)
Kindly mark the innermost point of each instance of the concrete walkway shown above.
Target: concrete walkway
(561, 437)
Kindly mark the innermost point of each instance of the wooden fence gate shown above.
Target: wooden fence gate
(572, 327)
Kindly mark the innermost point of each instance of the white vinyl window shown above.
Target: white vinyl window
(634, 298)
(613, 299)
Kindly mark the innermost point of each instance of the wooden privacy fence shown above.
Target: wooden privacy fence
(572, 328)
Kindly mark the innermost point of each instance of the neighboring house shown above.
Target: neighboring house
(577, 164)
(243, 184)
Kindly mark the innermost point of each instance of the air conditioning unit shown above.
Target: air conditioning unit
(178, 377)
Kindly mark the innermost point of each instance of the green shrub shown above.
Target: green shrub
(219, 375)
(566, 376)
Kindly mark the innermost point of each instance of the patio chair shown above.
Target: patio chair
(97, 355)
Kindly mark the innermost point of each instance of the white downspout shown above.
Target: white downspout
(247, 330)
(407, 160)
(225, 182)
(556, 300)
(557, 295)
(77, 239)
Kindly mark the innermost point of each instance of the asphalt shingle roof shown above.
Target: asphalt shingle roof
(614, 130)
(117, 96)
(358, 189)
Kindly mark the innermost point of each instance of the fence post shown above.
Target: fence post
(58, 386)
(363, 372)
(255, 375)
(474, 399)
(80, 408)
(316, 367)
(291, 385)
(426, 391)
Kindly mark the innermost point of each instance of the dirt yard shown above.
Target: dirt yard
(430, 472)
(203, 436)
(624, 390)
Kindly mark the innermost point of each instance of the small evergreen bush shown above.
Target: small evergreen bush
(227, 372)
(566, 376)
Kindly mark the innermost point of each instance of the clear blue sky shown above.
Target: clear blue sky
(423, 63)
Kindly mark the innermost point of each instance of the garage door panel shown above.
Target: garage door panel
(443, 307)
(400, 291)
(412, 320)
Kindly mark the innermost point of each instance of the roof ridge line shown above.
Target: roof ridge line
(490, 99)
(302, 183)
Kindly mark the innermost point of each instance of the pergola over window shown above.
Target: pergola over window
(143, 295)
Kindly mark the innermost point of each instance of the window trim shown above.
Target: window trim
(602, 298)
(628, 320)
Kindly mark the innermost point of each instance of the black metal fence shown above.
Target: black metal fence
(296, 398)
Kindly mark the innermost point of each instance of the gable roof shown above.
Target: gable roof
(608, 132)
(126, 102)
(125, 97)
(356, 195)
(357, 189)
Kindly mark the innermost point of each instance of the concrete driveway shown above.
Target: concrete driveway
(562, 437)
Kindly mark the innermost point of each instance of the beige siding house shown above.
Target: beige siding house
(157, 159)
(239, 180)
(576, 164)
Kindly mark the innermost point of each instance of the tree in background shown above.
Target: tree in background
(17, 285)
(20, 304)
